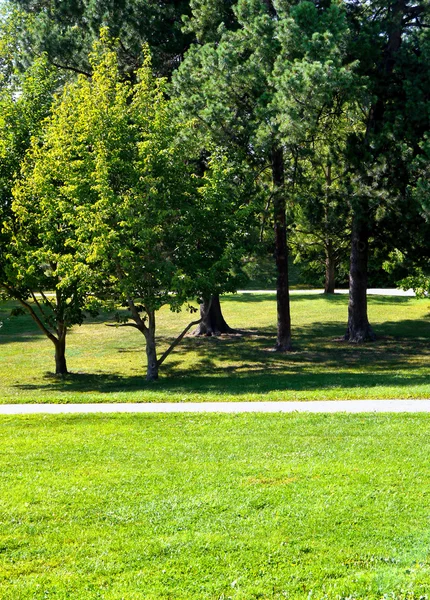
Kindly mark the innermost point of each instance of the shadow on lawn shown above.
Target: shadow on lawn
(23, 329)
(19, 332)
(227, 383)
(241, 364)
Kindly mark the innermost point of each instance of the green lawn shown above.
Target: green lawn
(108, 364)
(215, 507)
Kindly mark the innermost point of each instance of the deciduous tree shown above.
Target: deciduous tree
(137, 219)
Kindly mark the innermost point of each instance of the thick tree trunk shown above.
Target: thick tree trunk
(283, 342)
(213, 322)
(359, 329)
(330, 269)
(151, 350)
(60, 356)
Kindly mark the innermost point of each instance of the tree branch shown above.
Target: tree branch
(140, 323)
(46, 299)
(122, 325)
(30, 309)
(37, 320)
(35, 300)
(176, 342)
(69, 68)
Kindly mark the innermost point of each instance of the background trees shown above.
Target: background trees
(278, 86)
(65, 31)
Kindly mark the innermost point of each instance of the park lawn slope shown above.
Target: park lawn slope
(215, 506)
(108, 363)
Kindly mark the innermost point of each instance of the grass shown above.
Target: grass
(108, 364)
(215, 507)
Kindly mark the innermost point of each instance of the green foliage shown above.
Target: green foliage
(35, 256)
(226, 84)
(383, 158)
(317, 81)
(67, 30)
(24, 103)
(110, 203)
(421, 170)
(282, 76)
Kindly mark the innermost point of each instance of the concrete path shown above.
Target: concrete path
(349, 406)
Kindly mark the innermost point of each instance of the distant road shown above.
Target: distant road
(370, 291)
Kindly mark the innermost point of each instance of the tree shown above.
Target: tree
(33, 238)
(410, 259)
(26, 267)
(389, 41)
(320, 234)
(317, 102)
(65, 31)
(226, 85)
(114, 165)
(274, 86)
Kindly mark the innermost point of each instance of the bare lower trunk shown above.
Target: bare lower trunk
(213, 322)
(60, 356)
(283, 342)
(359, 329)
(151, 350)
(330, 270)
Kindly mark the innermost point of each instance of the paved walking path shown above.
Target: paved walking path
(349, 406)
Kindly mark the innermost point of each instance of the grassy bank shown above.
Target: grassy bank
(108, 364)
(210, 507)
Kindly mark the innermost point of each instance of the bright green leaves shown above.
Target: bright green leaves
(112, 205)
(22, 111)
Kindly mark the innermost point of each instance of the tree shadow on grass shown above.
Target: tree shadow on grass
(19, 332)
(246, 364)
(227, 383)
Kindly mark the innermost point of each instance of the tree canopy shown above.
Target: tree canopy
(138, 186)
(111, 205)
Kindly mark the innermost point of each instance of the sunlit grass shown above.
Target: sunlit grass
(108, 364)
(155, 507)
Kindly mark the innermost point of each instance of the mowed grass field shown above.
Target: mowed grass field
(108, 363)
(198, 507)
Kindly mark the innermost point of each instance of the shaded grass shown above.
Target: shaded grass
(214, 507)
(107, 364)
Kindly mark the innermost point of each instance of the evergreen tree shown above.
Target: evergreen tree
(267, 87)
(65, 31)
(390, 42)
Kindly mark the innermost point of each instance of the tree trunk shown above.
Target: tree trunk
(283, 342)
(60, 356)
(213, 322)
(151, 350)
(329, 284)
(328, 246)
(359, 329)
